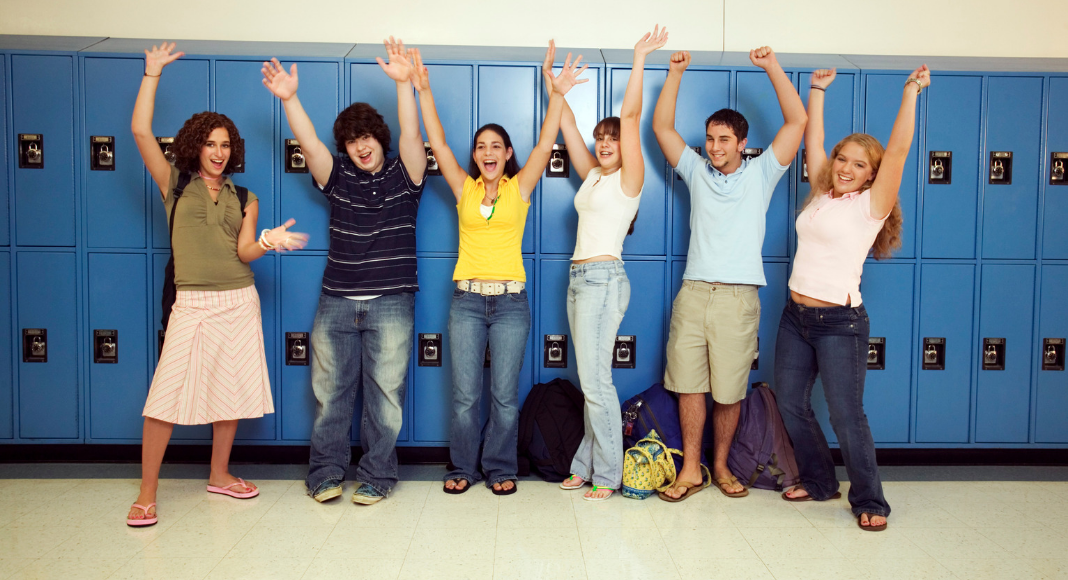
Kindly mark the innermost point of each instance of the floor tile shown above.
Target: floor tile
(1029, 543)
(8, 566)
(615, 512)
(905, 568)
(631, 568)
(172, 568)
(436, 569)
(66, 568)
(449, 543)
(537, 569)
(384, 514)
(991, 569)
(815, 569)
(561, 543)
(1052, 568)
(354, 568)
(943, 544)
(890, 543)
(357, 543)
(528, 514)
(194, 542)
(779, 515)
(796, 544)
(619, 544)
(720, 568)
(277, 540)
(695, 544)
(32, 542)
(106, 541)
(260, 568)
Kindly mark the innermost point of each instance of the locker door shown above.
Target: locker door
(436, 229)
(263, 429)
(49, 406)
(319, 94)
(1014, 124)
(431, 395)
(953, 116)
(643, 320)
(700, 94)
(649, 231)
(757, 101)
(1052, 408)
(943, 397)
(6, 332)
(183, 92)
(559, 220)
(117, 391)
(1054, 236)
(115, 201)
(530, 358)
(5, 219)
(43, 104)
(1003, 400)
(882, 100)
(773, 299)
(254, 114)
(302, 276)
(887, 293)
(553, 279)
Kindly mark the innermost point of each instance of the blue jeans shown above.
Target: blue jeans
(354, 339)
(831, 342)
(597, 298)
(503, 321)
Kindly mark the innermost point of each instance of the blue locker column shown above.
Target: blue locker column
(756, 100)
(553, 279)
(43, 106)
(773, 299)
(701, 93)
(239, 94)
(265, 271)
(182, 92)
(1010, 204)
(115, 200)
(943, 395)
(319, 94)
(431, 393)
(532, 356)
(1055, 179)
(302, 276)
(649, 231)
(5, 215)
(950, 199)
(49, 393)
(882, 100)
(1003, 398)
(839, 104)
(886, 291)
(644, 321)
(117, 390)
(1052, 382)
(7, 395)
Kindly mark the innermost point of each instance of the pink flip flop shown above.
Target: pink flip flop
(239, 495)
(145, 521)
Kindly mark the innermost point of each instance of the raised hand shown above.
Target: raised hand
(679, 61)
(823, 77)
(568, 76)
(282, 84)
(547, 66)
(419, 74)
(399, 67)
(763, 57)
(284, 240)
(922, 74)
(159, 57)
(652, 41)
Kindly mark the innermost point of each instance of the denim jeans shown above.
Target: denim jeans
(503, 321)
(831, 342)
(353, 340)
(597, 298)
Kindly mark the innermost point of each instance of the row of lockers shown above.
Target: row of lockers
(955, 356)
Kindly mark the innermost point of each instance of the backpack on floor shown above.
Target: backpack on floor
(761, 454)
(654, 408)
(551, 426)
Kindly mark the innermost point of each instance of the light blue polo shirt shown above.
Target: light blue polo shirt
(727, 217)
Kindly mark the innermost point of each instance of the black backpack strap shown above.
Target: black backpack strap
(179, 188)
(242, 196)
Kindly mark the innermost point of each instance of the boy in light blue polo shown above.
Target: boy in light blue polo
(716, 315)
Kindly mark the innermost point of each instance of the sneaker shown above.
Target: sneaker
(327, 490)
(366, 495)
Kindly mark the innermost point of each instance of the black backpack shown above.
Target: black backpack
(550, 429)
(170, 291)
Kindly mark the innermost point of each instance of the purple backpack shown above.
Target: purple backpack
(761, 454)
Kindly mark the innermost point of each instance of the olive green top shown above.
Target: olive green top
(205, 237)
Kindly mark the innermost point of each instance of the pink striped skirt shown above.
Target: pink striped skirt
(213, 366)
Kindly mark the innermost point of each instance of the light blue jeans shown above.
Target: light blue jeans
(597, 297)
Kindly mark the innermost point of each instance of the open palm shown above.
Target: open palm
(569, 75)
(159, 57)
(278, 81)
(399, 68)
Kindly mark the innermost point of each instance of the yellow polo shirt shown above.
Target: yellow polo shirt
(491, 249)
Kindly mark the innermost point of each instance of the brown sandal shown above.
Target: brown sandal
(869, 527)
(836, 495)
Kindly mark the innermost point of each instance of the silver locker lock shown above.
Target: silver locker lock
(930, 355)
(297, 349)
(166, 145)
(556, 164)
(300, 351)
(937, 170)
(1058, 170)
(430, 351)
(431, 161)
(108, 348)
(38, 347)
(990, 355)
(1001, 167)
(559, 164)
(625, 352)
(34, 154)
(293, 159)
(997, 170)
(1050, 356)
(1058, 166)
(297, 159)
(554, 352)
(873, 354)
(105, 156)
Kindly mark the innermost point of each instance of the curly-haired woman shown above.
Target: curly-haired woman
(213, 368)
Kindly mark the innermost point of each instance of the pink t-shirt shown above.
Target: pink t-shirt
(834, 236)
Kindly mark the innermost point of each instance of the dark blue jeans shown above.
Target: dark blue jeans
(833, 343)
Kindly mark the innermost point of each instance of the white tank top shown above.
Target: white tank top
(604, 213)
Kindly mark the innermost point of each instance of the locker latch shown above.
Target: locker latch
(756, 357)
(1053, 354)
(940, 169)
(166, 145)
(555, 351)
(751, 152)
(101, 153)
(294, 161)
(105, 346)
(696, 150)
(1001, 167)
(31, 151)
(297, 349)
(35, 345)
(1057, 163)
(993, 354)
(934, 354)
(876, 353)
(431, 161)
(559, 163)
(430, 350)
(625, 352)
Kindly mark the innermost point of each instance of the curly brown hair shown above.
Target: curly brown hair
(358, 120)
(194, 133)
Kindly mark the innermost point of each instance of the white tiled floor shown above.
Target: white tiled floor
(70, 528)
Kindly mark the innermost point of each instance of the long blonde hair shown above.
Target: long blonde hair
(889, 238)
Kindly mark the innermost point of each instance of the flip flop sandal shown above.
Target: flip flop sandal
(227, 490)
(836, 495)
(691, 488)
(869, 528)
(727, 481)
(563, 484)
(597, 488)
(148, 520)
(509, 491)
(457, 490)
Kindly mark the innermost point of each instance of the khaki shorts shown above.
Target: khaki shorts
(712, 340)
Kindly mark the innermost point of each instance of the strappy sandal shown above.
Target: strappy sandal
(786, 497)
(563, 484)
(148, 520)
(596, 489)
(228, 490)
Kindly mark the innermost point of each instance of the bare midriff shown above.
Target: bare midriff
(813, 302)
(602, 258)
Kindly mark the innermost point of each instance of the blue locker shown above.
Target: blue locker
(302, 276)
(773, 299)
(264, 269)
(1055, 201)
(239, 94)
(887, 293)
(508, 96)
(552, 317)
(431, 393)
(7, 417)
(49, 392)
(1052, 392)
(701, 93)
(115, 202)
(839, 105)
(1014, 124)
(943, 397)
(649, 231)
(117, 301)
(1003, 398)
(5, 219)
(43, 103)
(949, 209)
(882, 100)
(757, 101)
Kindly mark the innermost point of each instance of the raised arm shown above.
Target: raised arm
(319, 158)
(531, 172)
(888, 180)
(581, 158)
(399, 69)
(671, 143)
(451, 170)
(788, 139)
(145, 107)
(815, 154)
(632, 177)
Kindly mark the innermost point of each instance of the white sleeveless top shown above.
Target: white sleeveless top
(605, 213)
